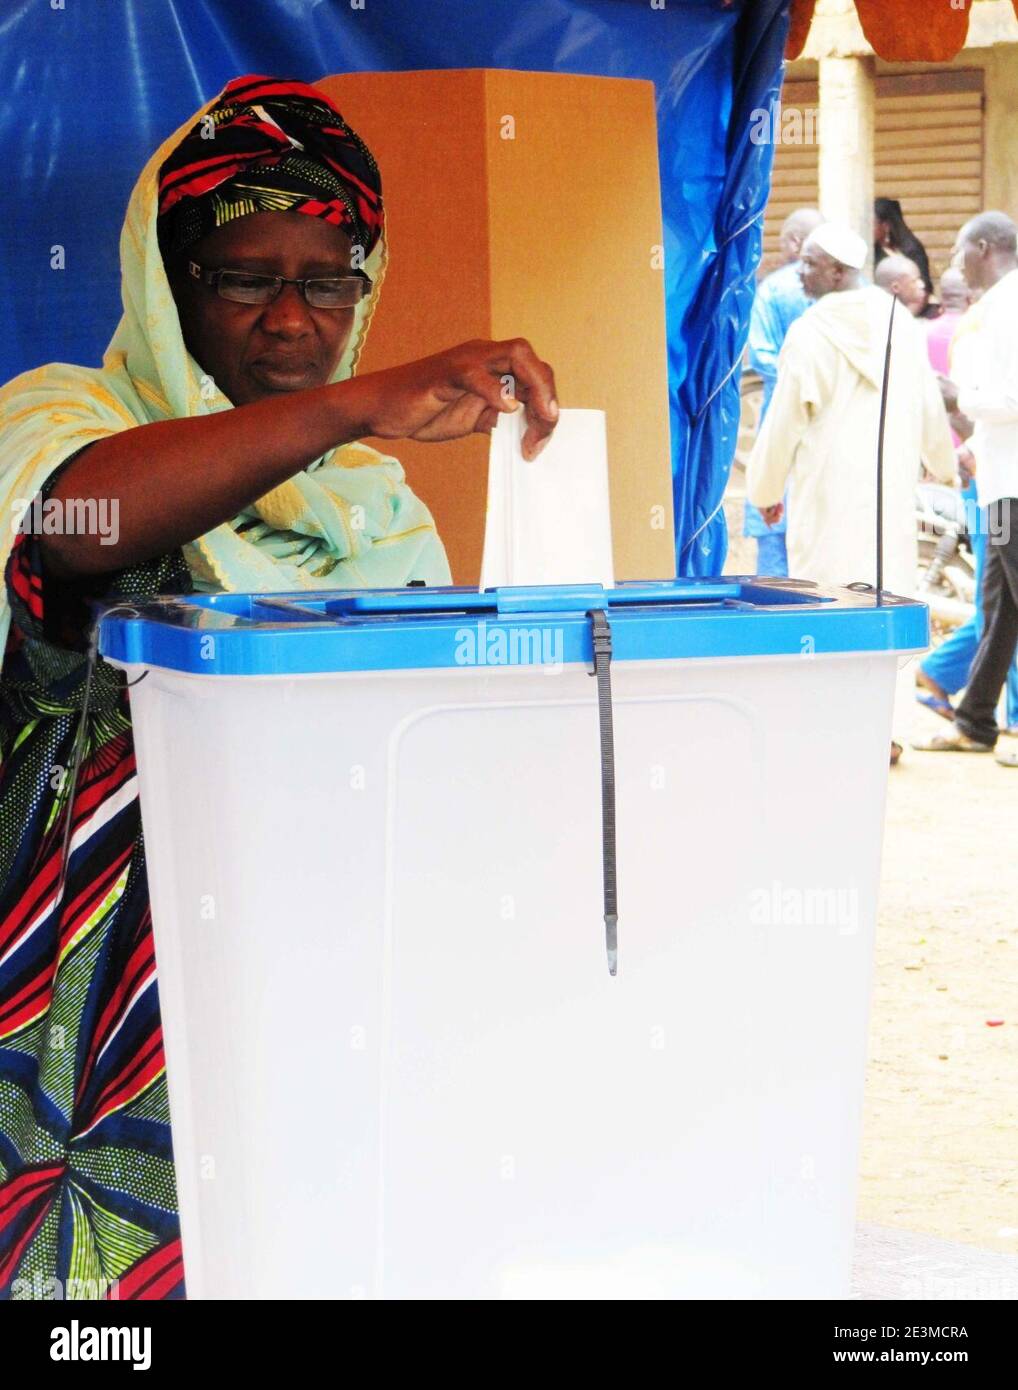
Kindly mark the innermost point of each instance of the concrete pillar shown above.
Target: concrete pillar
(846, 143)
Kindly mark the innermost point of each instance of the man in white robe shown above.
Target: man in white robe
(820, 434)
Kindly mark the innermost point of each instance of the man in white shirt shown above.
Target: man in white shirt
(986, 375)
(820, 434)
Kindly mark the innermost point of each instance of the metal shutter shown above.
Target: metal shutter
(794, 176)
(928, 153)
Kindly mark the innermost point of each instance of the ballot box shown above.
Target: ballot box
(378, 845)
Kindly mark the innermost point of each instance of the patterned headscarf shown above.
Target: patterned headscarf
(269, 145)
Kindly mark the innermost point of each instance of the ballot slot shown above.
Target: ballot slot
(343, 607)
(383, 605)
(528, 599)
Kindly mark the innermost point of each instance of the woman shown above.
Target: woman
(223, 435)
(892, 233)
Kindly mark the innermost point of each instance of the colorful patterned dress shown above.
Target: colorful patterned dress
(87, 1189)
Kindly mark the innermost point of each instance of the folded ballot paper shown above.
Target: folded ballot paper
(548, 522)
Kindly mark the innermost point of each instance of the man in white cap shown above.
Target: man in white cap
(820, 434)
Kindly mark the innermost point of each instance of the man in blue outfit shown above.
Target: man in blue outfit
(780, 299)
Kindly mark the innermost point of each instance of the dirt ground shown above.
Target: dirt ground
(940, 1136)
(941, 1120)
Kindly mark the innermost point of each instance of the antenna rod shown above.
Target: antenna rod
(880, 456)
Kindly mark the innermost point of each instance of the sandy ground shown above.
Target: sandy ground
(940, 1138)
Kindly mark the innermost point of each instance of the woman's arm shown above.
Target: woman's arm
(173, 480)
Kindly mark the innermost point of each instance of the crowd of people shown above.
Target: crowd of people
(819, 334)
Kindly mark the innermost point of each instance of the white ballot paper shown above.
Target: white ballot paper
(548, 522)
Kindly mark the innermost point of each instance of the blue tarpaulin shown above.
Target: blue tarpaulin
(90, 90)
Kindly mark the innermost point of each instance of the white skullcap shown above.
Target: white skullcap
(841, 244)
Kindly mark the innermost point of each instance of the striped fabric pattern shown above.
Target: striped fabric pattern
(87, 1189)
(269, 144)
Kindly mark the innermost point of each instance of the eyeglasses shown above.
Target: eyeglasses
(333, 292)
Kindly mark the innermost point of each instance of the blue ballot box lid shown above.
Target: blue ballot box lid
(420, 628)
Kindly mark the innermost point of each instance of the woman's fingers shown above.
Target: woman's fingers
(534, 379)
(495, 390)
(512, 373)
(463, 389)
(535, 386)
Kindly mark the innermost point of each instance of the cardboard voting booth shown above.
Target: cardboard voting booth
(526, 204)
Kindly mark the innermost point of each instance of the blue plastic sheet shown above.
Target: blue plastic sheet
(91, 89)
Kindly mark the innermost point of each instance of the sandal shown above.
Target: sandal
(896, 752)
(942, 707)
(951, 743)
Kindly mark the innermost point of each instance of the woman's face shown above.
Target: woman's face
(257, 350)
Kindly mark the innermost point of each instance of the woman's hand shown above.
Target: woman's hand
(460, 391)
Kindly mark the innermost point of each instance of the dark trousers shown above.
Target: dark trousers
(976, 716)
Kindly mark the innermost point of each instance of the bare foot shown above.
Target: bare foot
(931, 685)
(895, 753)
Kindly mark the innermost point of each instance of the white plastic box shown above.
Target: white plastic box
(397, 1063)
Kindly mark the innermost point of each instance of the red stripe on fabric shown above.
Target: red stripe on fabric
(28, 1002)
(369, 194)
(97, 784)
(202, 174)
(194, 188)
(20, 571)
(24, 580)
(33, 1186)
(13, 1023)
(140, 966)
(15, 1208)
(315, 207)
(164, 1286)
(130, 1080)
(37, 896)
(32, 1179)
(73, 914)
(256, 88)
(155, 1267)
(45, 879)
(10, 1263)
(207, 165)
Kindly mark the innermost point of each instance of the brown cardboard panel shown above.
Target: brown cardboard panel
(547, 235)
(426, 131)
(574, 218)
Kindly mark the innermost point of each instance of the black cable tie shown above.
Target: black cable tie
(602, 643)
